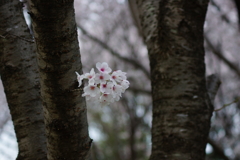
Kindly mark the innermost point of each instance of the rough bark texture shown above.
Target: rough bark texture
(20, 78)
(58, 58)
(173, 32)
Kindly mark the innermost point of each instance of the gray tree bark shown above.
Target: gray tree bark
(173, 32)
(20, 78)
(65, 110)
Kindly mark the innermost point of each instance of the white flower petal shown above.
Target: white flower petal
(103, 67)
(91, 90)
(125, 84)
(101, 78)
(104, 87)
(79, 78)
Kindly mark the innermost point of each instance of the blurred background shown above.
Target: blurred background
(121, 131)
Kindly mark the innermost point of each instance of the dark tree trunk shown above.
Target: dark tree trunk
(173, 32)
(20, 78)
(65, 110)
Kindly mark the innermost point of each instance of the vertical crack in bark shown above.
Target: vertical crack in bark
(173, 32)
(58, 58)
(20, 78)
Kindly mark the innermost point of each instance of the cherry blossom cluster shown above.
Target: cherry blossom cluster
(104, 87)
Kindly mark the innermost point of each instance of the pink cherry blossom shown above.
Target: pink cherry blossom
(90, 76)
(118, 76)
(94, 100)
(91, 90)
(125, 84)
(106, 87)
(106, 98)
(103, 67)
(103, 87)
(102, 78)
(117, 91)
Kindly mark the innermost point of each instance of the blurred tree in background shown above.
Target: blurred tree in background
(107, 32)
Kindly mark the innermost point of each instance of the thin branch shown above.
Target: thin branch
(224, 17)
(228, 104)
(213, 83)
(115, 53)
(220, 56)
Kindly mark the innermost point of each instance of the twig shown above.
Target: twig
(107, 47)
(225, 105)
(224, 17)
(220, 55)
(213, 83)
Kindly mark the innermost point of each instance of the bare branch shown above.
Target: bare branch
(224, 17)
(220, 56)
(228, 104)
(115, 53)
(213, 84)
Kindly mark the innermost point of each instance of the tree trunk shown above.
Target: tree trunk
(20, 78)
(65, 110)
(173, 32)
